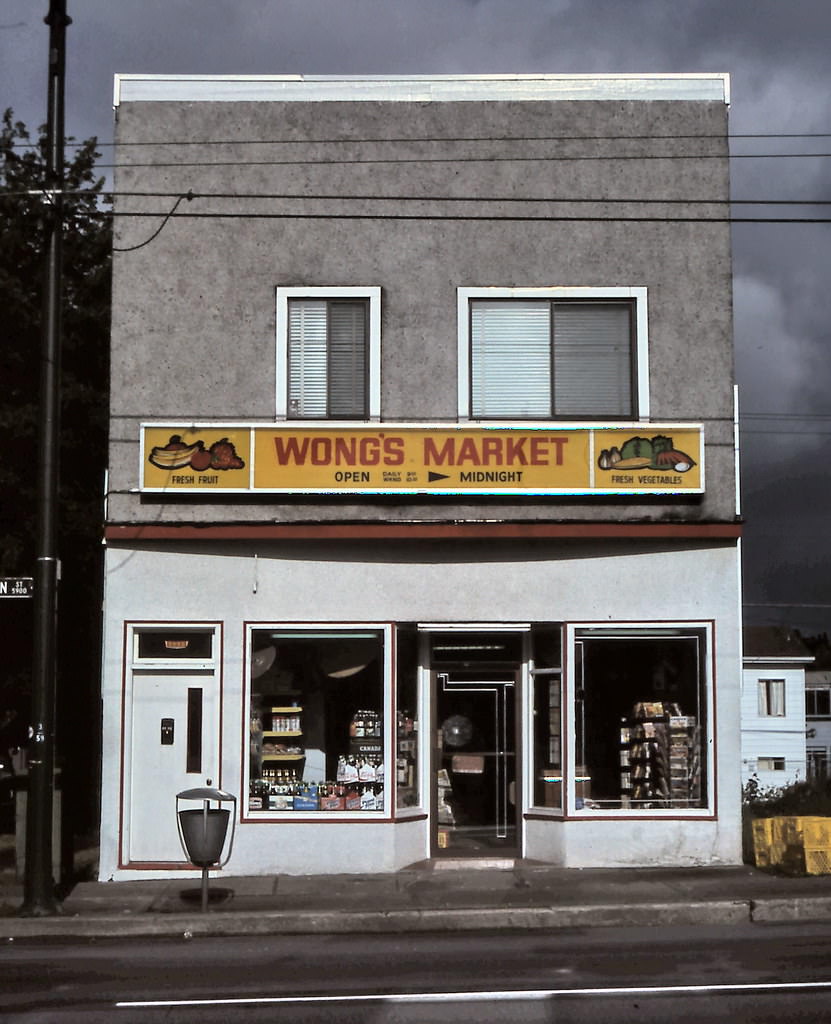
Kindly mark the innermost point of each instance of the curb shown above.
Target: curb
(804, 909)
(378, 922)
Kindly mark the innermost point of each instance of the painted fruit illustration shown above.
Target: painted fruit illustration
(224, 456)
(175, 454)
(200, 460)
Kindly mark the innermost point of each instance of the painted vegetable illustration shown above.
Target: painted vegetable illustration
(657, 452)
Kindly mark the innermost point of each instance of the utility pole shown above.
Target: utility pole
(39, 887)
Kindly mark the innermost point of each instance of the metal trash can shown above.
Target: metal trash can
(203, 830)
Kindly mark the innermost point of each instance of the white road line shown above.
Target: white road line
(512, 995)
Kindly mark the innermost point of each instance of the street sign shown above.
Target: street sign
(16, 586)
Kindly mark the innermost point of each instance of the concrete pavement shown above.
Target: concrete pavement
(433, 896)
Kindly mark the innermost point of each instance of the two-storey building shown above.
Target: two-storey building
(421, 517)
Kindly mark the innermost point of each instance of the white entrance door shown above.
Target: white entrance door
(173, 745)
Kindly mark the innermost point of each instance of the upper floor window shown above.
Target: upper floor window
(328, 353)
(541, 353)
(772, 698)
(818, 702)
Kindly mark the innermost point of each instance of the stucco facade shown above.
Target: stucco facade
(422, 198)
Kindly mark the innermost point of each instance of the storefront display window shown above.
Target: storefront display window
(640, 719)
(317, 720)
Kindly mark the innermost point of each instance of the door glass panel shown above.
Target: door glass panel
(475, 764)
(169, 644)
(407, 792)
(547, 724)
(194, 741)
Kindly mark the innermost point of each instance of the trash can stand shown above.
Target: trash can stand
(202, 831)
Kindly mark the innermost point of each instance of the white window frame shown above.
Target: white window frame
(765, 692)
(639, 295)
(178, 663)
(310, 629)
(813, 756)
(373, 297)
(771, 763)
(814, 690)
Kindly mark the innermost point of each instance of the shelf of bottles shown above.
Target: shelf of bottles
(406, 774)
(359, 778)
(282, 738)
(660, 757)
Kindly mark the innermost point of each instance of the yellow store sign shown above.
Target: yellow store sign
(414, 459)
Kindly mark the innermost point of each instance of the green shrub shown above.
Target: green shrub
(799, 798)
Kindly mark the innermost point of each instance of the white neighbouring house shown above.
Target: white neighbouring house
(773, 706)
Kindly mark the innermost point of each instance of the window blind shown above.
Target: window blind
(347, 359)
(538, 358)
(511, 359)
(592, 359)
(307, 358)
(327, 358)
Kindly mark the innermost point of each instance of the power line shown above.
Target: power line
(454, 217)
(787, 433)
(361, 197)
(403, 161)
(358, 197)
(378, 140)
(785, 416)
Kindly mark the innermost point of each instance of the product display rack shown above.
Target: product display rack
(660, 764)
(279, 758)
(282, 746)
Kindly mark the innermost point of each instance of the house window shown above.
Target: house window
(772, 698)
(641, 719)
(328, 353)
(552, 353)
(817, 763)
(770, 764)
(818, 702)
(318, 721)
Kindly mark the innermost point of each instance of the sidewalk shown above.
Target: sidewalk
(432, 896)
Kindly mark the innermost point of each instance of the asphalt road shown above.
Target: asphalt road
(746, 973)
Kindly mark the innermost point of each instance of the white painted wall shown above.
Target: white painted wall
(428, 582)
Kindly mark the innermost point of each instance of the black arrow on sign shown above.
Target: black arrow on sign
(431, 477)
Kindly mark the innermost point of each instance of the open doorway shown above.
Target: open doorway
(475, 680)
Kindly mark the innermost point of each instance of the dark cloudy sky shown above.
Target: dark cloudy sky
(777, 53)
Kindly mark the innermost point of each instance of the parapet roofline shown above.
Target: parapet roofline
(418, 88)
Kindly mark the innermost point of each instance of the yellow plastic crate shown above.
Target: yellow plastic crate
(787, 829)
(816, 832)
(777, 853)
(818, 860)
(762, 838)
